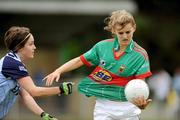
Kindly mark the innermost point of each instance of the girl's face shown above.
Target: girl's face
(28, 50)
(124, 34)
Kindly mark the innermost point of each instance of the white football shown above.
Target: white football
(136, 88)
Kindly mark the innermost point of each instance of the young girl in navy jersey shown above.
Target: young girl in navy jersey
(14, 77)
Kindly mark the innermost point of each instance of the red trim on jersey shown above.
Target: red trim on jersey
(142, 76)
(141, 51)
(85, 61)
(109, 40)
(115, 56)
(116, 80)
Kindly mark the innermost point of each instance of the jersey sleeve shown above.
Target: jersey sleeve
(13, 69)
(91, 58)
(144, 70)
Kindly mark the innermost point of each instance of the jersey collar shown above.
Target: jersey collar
(13, 55)
(129, 47)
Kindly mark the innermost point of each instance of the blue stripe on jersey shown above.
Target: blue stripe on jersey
(13, 68)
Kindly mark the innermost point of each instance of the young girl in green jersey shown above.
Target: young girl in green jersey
(118, 60)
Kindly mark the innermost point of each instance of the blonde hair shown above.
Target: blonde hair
(119, 17)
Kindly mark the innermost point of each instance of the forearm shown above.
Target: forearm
(71, 65)
(44, 91)
(30, 103)
(36, 91)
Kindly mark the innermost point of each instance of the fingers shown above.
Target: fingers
(138, 100)
(145, 103)
(149, 101)
(141, 102)
(57, 78)
(50, 78)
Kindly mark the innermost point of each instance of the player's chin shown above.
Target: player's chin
(32, 56)
(125, 43)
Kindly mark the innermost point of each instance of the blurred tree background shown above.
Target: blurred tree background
(73, 34)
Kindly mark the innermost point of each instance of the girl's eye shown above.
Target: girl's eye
(127, 32)
(31, 44)
(120, 33)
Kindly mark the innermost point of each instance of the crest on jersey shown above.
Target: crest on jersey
(101, 75)
(121, 69)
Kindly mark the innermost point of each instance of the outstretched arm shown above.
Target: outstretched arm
(35, 91)
(31, 104)
(68, 66)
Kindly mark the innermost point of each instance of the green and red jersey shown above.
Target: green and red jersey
(113, 72)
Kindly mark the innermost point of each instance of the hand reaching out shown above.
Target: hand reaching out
(51, 77)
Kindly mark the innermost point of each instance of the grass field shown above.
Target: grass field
(151, 113)
(84, 111)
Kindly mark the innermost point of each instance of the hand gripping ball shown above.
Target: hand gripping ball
(136, 88)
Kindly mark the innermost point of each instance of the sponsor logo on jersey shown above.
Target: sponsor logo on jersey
(101, 75)
(22, 68)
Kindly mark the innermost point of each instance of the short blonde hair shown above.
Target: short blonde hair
(119, 17)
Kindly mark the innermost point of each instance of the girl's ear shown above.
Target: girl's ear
(134, 27)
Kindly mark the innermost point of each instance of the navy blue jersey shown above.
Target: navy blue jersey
(11, 69)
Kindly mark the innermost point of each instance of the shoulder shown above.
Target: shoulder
(106, 41)
(140, 50)
(13, 68)
(12, 62)
(10, 59)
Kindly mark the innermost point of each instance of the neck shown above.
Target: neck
(122, 48)
(21, 57)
